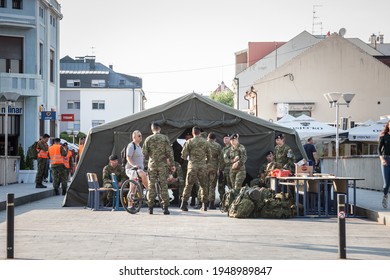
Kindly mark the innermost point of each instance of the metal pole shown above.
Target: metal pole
(341, 221)
(10, 225)
(337, 140)
(5, 143)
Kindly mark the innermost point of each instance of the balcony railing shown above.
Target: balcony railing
(24, 84)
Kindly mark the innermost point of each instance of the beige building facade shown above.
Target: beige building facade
(333, 65)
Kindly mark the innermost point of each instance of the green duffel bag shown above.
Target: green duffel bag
(228, 199)
(242, 206)
(276, 209)
(241, 209)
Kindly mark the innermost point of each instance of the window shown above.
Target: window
(98, 83)
(51, 66)
(121, 82)
(97, 122)
(98, 105)
(73, 83)
(3, 4)
(11, 56)
(40, 12)
(40, 58)
(17, 4)
(73, 104)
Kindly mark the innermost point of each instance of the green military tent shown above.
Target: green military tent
(175, 117)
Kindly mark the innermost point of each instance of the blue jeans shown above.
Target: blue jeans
(386, 175)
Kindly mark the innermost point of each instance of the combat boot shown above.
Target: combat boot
(204, 207)
(184, 206)
(212, 205)
(166, 211)
(151, 210)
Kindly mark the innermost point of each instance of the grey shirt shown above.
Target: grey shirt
(135, 154)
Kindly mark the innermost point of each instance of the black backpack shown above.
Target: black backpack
(32, 151)
(123, 154)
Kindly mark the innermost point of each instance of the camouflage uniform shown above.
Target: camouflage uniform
(284, 157)
(59, 174)
(265, 171)
(159, 150)
(198, 151)
(107, 181)
(237, 176)
(42, 162)
(178, 186)
(226, 171)
(214, 163)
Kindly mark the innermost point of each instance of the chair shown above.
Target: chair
(116, 198)
(94, 191)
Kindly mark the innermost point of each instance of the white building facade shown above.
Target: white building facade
(92, 94)
(29, 68)
(333, 65)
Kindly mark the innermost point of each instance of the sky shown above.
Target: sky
(183, 46)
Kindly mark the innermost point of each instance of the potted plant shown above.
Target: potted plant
(26, 172)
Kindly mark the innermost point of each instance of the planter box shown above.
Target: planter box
(27, 176)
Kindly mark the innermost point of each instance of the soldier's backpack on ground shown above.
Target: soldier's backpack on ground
(228, 199)
(264, 194)
(32, 151)
(243, 206)
(278, 207)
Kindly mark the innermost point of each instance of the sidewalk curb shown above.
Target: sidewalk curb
(379, 217)
(28, 198)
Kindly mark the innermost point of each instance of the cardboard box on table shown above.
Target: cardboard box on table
(306, 171)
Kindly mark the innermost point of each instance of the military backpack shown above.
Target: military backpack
(32, 151)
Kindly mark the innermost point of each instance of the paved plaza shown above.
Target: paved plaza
(44, 230)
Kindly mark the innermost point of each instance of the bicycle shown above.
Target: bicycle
(133, 193)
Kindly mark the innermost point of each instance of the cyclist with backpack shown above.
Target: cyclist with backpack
(42, 157)
(135, 157)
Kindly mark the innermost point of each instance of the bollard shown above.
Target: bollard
(341, 221)
(10, 225)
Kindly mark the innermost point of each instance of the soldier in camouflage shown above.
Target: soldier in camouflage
(265, 171)
(213, 167)
(198, 152)
(226, 167)
(112, 167)
(237, 157)
(42, 157)
(176, 182)
(283, 154)
(160, 153)
(56, 155)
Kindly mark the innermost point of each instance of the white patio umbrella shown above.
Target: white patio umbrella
(309, 127)
(368, 133)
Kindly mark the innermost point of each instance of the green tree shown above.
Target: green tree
(224, 97)
(23, 165)
(29, 163)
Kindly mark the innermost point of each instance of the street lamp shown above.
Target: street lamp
(333, 99)
(74, 133)
(10, 98)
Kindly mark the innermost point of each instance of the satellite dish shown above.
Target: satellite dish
(342, 32)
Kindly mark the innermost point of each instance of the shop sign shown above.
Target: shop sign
(48, 115)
